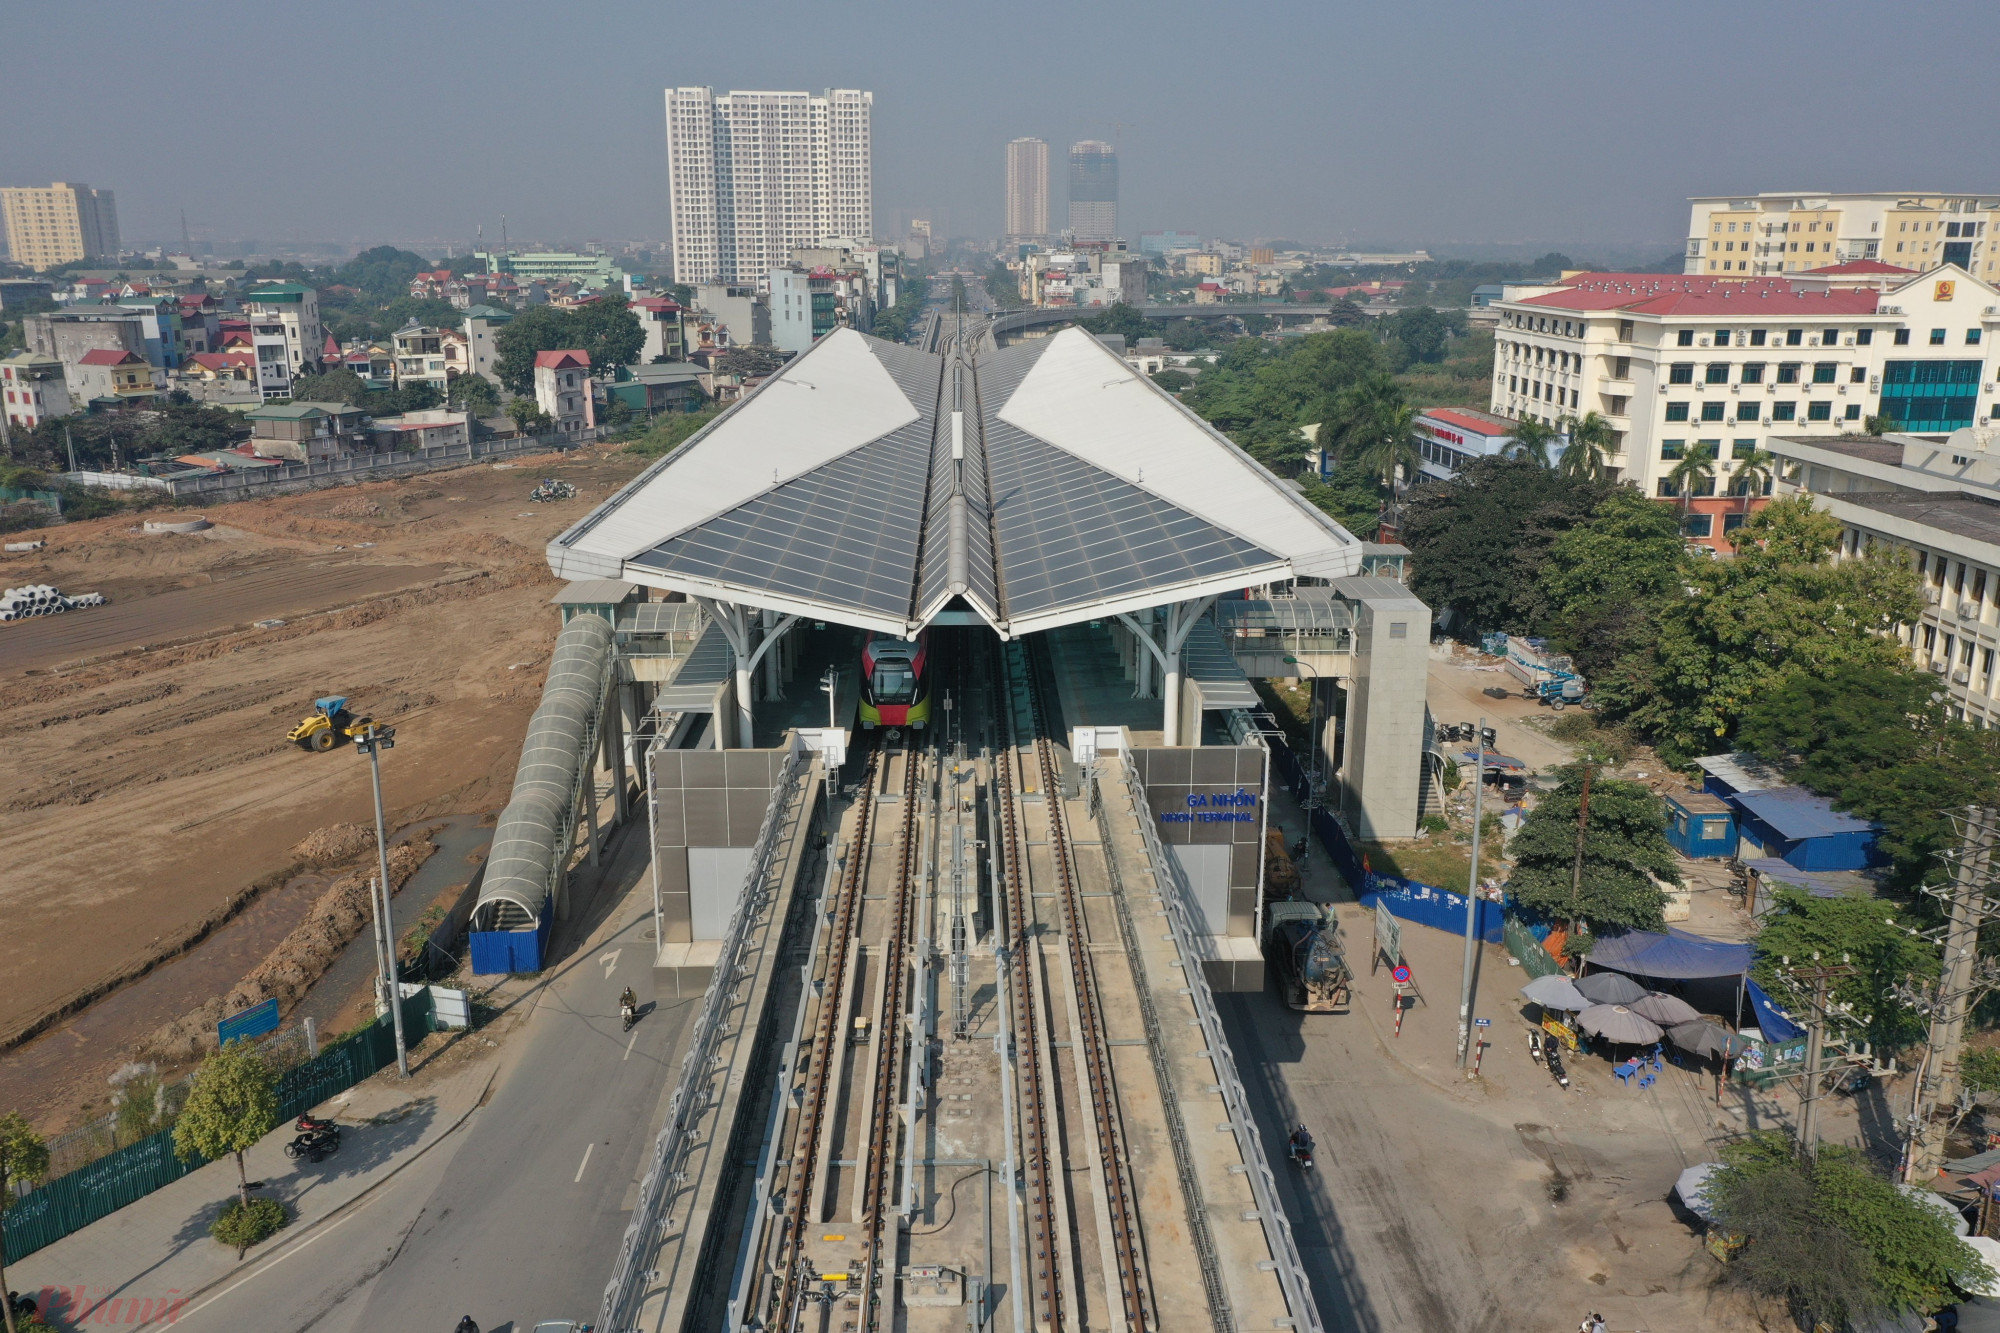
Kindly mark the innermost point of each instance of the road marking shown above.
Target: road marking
(609, 962)
(628, 1048)
(327, 1230)
(585, 1162)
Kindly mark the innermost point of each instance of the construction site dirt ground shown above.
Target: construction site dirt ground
(150, 791)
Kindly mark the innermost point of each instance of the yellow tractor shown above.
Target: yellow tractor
(329, 724)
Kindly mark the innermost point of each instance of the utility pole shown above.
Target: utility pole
(1472, 902)
(1970, 903)
(1582, 824)
(372, 744)
(1817, 975)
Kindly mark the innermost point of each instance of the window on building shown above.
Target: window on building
(1621, 367)
(1722, 337)
(1930, 396)
(1864, 337)
(1756, 337)
(1824, 372)
(1753, 372)
(1677, 411)
(1730, 523)
(1795, 337)
(1684, 338)
(1698, 525)
(1788, 372)
(1747, 410)
(1852, 412)
(1712, 411)
(1784, 411)
(1742, 448)
(1902, 338)
(1972, 337)
(1937, 337)
(1718, 373)
(1625, 330)
(1821, 411)
(1672, 450)
(1681, 372)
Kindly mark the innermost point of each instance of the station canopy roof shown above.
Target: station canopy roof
(842, 489)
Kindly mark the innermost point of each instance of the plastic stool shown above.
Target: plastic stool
(1647, 1081)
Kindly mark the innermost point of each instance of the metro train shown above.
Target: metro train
(895, 681)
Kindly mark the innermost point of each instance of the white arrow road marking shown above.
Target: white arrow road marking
(585, 1162)
(609, 962)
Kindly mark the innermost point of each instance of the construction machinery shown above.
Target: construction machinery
(329, 724)
(1304, 944)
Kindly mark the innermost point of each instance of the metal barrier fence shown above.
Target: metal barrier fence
(1176, 897)
(624, 1292)
(74, 1200)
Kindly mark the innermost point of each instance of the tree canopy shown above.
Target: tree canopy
(1624, 842)
(1479, 541)
(1865, 931)
(606, 329)
(233, 1103)
(1604, 579)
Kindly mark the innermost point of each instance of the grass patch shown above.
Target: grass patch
(243, 1225)
(1436, 859)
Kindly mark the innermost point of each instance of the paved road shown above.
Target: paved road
(515, 1218)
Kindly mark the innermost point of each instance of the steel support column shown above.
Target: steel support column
(1181, 618)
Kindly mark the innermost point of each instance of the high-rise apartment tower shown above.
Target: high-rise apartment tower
(1093, 191)
(752, 176)
(63, 222)
(1027, 189)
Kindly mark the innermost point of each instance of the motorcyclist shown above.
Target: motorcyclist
(466, 1325)
(1302, 1141)
(628, 1005)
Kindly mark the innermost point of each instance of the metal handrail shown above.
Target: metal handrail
(620, 1309)
(1174, 897)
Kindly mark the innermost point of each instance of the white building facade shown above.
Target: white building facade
(753, 175)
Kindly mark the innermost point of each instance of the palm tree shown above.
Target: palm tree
(1350, 420)
(1531, 441)
(1388, 444)
(1696, 466)
(1753, 473)
(1590, 440)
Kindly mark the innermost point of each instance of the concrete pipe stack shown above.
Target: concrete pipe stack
(41, 599)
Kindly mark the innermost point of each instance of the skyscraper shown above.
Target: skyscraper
(1027, 189)
(54, 225)
(752, 176)
(1093, 191)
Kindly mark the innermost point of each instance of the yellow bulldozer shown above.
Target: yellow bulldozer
(329, 724)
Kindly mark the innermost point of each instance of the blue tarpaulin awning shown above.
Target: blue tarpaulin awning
(1774, 1025)
(1678, 955)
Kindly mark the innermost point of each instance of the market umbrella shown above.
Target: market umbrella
(1945, 1207)
(1702, 1037)
(1555, 991)
(1692, 1187)
(1614, 1022)
(1611, 988)
(1666, 1010)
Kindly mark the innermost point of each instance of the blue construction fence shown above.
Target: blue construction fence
(73, 1201)
(1407, 899)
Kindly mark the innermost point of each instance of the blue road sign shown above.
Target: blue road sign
(252, 1022)
(1482, 1022)
(1401, 972)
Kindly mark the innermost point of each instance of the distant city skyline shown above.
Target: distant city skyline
(1295, 143)
(1027, 188)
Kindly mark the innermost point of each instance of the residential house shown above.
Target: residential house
(110, 378)
(428, 429)
(285, 327)
(563, 390)
(429, 355)
(738, 307)
(665, 323)
(652, 389)
(482, 338)
(68, 334)
(201, 323)
(34, 389)
(374, 363)
(308, 432)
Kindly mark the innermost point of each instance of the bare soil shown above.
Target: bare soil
(150, 794)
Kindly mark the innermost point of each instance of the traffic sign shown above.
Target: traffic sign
(1482, 1022)
(252, 1022)
(1401, 972)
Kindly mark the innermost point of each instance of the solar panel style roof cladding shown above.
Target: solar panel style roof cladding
(876, 485)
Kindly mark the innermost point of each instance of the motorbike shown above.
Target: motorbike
(1552, 1056)
(1300, 1150)
(316, 1145)
(628, 1012)
(1535, 1047)
(305, 1124)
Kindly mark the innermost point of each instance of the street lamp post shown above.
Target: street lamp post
(372, 743)
(1312, 748)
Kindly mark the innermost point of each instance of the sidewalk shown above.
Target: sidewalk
(144, 1263)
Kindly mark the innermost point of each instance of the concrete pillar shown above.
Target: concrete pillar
(1143, 653)
(1382, 770)
(774, 685)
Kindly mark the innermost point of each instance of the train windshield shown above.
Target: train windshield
(895, 683)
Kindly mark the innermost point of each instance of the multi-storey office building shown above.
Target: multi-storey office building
(754, 175)
(1778, 233)
(1093, 191)
(1027, 189)
(58, 224)
(1675, 363)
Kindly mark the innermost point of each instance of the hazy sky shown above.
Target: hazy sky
(1393, 122)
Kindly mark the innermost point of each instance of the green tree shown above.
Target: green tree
(1120, 319)
(1354, 418)
(1173, 381)
(609, 331)
(751, 360)
(1002, 286)
(1589, 449)
(670, 432)
(1623, 842)
(1421, 331)
(1779, 609)
(528, 416)
(1833, 1239)
(1864, 931)
(233, 1103)
(1877, 741)
(474, 393)
(605, 329)
(335, 386)
(1388, 447)
(1605, 578)
(1479, 541)
(1531, 441)
(1351, 496)
(1345, 314)
(1754, 473)
(1695, 471)
(23, 1157)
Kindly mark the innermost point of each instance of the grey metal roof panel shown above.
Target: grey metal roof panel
(1215, 669)
(1308, 611)
(708, 664)
(594, 592)
(657, 618)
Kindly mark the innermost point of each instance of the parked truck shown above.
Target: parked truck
(1302, 941)
(1550, 677)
